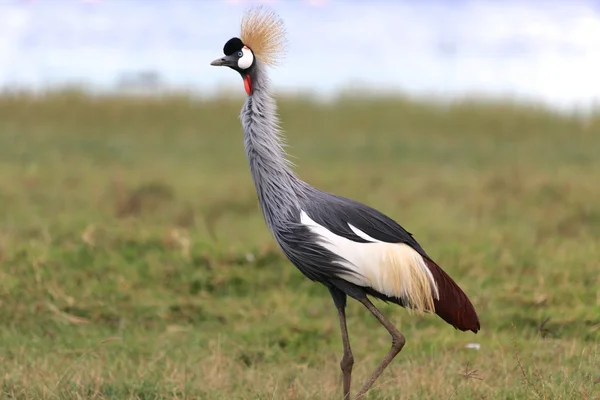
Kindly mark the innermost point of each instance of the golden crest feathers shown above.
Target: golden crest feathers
(263, 31)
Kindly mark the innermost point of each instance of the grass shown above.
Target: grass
(135, 264)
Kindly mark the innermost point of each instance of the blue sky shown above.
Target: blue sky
(545, 50)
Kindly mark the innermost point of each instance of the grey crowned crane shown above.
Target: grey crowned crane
(352, 249)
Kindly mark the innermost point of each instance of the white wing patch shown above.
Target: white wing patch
(393, 269)
(363, 235)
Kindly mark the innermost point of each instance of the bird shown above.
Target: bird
(349, 247)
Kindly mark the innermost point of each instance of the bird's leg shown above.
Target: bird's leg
(339, 298)
(348, 359)
(398, 342)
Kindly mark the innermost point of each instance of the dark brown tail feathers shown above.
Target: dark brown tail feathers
(453, 306)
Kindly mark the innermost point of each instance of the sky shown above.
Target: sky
(544, 50)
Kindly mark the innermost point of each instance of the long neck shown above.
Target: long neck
(276, 184)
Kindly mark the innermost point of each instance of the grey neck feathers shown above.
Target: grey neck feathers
(277, 186)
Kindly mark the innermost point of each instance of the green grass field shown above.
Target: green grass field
(135, 264)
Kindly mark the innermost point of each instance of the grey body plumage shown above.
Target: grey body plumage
(282, 195)
(351, 248)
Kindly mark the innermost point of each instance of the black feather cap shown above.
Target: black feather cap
(233, 45)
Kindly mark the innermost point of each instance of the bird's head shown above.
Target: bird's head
(238, 56)
(262, 39)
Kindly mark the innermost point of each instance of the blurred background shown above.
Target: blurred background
(547, 51)
(134, 259)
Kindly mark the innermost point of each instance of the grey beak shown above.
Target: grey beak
(219, 62)
(227, 61)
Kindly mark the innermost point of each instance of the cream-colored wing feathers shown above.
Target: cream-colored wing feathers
(263, 31)
(393, 269)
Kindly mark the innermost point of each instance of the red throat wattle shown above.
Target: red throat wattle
(248, 84)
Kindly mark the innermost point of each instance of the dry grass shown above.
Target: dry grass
(134, 262)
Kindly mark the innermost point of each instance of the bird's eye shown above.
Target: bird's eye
(240, 54)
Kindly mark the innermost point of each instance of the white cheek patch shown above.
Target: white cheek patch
(246, 60)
